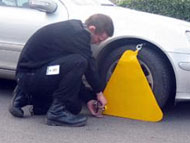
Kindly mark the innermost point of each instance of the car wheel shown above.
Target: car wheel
(154, 66)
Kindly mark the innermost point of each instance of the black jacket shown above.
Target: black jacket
(57, 40)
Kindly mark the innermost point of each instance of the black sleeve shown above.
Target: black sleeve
(86, 94)
(92, 76)
(82, 42)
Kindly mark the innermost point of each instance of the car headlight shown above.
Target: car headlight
(187, 32)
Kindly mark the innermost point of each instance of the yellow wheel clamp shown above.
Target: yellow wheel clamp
(128, 92)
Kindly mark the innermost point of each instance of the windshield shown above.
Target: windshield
(93, 2)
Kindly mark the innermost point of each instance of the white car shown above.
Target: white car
(165, 54)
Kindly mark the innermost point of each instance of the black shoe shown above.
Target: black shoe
(57, 115)
(18, 101)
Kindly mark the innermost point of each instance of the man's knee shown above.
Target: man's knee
(80, 61)
(73, 62)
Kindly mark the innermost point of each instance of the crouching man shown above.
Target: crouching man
(51, 66)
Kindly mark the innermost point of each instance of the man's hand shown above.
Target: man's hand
(91, 105)
(102, 99)
(93, 110)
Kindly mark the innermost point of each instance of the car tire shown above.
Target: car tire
(154, 66)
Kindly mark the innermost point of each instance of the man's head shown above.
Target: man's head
(100, 26)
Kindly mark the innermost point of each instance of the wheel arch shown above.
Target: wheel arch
(116, 43)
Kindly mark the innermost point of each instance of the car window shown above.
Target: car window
(23, 3)
(8, 2)
(15, 3)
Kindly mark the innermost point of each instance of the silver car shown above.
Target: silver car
(165, 42)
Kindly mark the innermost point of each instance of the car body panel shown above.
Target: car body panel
(168, 34)
(16, 28)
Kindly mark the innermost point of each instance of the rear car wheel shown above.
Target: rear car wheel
(154, 66)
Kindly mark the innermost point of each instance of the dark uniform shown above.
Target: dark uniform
(65, 48)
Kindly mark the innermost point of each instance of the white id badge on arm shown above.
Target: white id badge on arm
(52, 70)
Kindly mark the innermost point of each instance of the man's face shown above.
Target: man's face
(98, 38)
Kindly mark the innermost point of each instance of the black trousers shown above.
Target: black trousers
(66, 86)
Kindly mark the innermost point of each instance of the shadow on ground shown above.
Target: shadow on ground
(181, 111)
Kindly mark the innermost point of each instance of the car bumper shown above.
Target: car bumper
(181, 65)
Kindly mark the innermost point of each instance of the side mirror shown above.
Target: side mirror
(48, 6)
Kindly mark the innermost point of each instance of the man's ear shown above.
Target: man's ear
(92, 28)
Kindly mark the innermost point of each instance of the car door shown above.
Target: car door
(17, 23)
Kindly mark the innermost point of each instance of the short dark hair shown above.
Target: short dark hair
(103, 23)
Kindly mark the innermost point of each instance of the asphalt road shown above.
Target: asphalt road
(174, 128)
